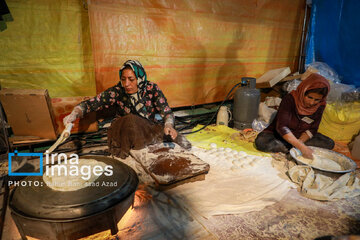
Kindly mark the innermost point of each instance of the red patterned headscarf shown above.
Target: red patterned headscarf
(311, 82)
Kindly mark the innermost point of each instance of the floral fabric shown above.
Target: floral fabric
(153, 99)
(148, 101)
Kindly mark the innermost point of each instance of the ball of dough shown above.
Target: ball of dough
(250, 157)
(219, 155)
(233, 168)
(242, 154)
(211, 151)
(213, 145)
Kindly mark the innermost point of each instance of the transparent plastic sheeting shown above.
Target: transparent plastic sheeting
(334, 37)
(195, 50)
(48, 46)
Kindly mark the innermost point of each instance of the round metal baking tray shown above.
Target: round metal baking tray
(346, 163)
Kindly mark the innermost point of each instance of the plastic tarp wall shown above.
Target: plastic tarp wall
(48, 46)
(334, 37)
(196, 50)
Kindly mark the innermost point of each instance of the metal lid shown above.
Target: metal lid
(45, 203)
(249, 82)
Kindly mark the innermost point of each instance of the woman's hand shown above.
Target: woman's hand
(306, 152)
(76, 113)
(169, 130)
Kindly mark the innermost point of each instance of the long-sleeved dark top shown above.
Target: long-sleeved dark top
(154, 102)
(288, 120)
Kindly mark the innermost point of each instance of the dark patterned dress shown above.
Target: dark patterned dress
(153, 101)
(146, 102)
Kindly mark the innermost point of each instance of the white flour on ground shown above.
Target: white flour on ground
(236, 183)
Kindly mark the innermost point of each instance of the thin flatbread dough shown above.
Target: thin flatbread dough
(62, 182)
(322, 163)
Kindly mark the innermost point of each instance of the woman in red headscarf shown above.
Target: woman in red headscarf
(298, 119)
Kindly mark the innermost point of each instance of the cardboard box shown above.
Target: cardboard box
(303, 76)
(29, 112)
(272, 77)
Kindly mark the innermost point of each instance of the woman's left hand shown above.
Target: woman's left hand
(169, 130)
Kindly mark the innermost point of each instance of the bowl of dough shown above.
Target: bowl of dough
(325, 160)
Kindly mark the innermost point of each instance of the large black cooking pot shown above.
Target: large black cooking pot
(81, 210)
